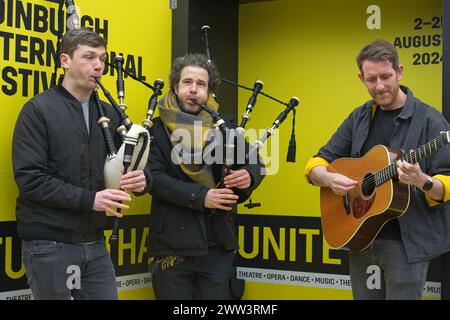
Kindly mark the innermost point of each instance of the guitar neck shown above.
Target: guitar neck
(417, 155)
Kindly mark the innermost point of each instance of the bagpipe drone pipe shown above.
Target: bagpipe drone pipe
(246, 116)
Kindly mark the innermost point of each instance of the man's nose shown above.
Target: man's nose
(379, 84)
(98, 64)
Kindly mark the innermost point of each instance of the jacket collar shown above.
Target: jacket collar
(65, 93)
(409, 107)
(75, 108)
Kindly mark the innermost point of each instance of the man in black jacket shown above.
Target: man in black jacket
(192, 240)
(58, 157)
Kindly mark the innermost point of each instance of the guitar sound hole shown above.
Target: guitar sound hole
(368, 185)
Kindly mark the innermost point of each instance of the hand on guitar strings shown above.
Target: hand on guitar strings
(340, 184)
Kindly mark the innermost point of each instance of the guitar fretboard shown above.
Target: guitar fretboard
(417, 155)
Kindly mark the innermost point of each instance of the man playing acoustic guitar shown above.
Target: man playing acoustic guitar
(389, 209)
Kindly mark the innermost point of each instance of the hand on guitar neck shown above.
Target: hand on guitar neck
(411, 174)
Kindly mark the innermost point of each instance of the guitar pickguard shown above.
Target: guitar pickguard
(361, 206)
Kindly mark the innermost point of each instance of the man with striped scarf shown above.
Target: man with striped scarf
(193, 240)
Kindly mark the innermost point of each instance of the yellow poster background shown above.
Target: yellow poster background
(308, 49)
(297, 48)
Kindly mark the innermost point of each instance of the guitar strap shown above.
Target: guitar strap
(415, 128)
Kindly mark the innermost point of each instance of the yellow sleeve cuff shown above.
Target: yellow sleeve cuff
(446, 182)
(314, 162)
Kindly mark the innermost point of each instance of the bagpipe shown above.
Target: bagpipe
(135, 139)
(246, 116)
(133, 152)
(251, 155)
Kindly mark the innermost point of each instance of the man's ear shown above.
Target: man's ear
(65, 60)
(361, 77)
(400, 72)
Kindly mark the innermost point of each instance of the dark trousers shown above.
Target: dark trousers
(445, 276)
(382, 272)
(196, 278)
(60, 271)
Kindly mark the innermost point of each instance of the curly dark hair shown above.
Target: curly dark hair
(194, 60)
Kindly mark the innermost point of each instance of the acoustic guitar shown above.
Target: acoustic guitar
(354, 220)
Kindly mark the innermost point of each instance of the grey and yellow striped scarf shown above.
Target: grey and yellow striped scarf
(174, 118)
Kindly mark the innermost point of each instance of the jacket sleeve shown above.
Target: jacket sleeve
(312, 163)
(340, 144)
(438, 164)
(30, 149)
(173, 190)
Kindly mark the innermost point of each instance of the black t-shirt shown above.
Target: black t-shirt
(381, 130)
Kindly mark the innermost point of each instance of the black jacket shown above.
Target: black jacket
(58, 168)
(178, 216)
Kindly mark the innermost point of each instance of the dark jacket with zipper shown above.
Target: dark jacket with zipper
(58, 168)
(178, 218)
